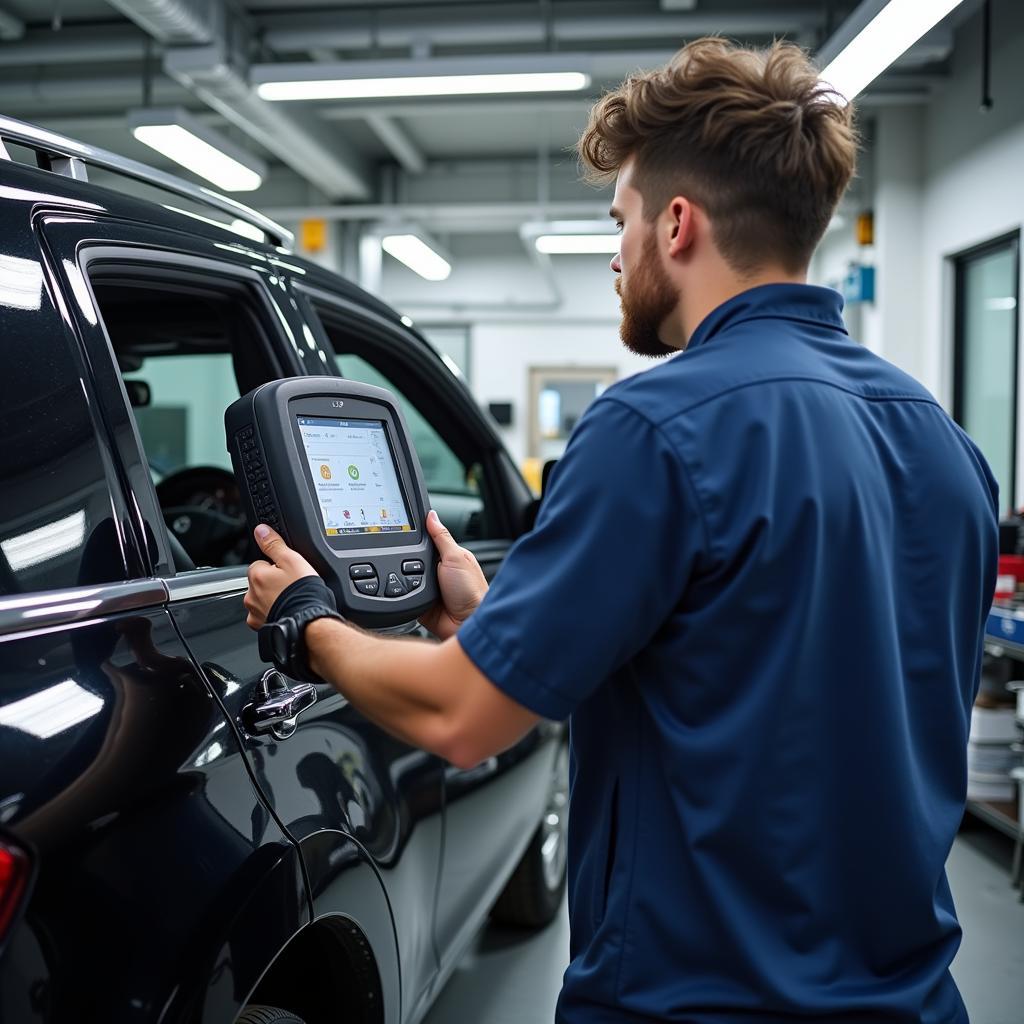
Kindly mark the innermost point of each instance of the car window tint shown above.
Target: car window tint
(443, 471)
(56, 519)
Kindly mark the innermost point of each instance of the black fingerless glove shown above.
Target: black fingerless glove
(305, 592)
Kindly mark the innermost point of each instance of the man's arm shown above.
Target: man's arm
(430, 695)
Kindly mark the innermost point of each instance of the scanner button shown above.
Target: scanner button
(367, 586)
(361, 572)
(395, 587)
(412, 567)
(414, 582)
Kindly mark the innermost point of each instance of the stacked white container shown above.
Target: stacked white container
(990, 754)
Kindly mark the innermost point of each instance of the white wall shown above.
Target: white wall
(504, 352)
(520, 315)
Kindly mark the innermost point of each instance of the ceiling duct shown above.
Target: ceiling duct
(174, 21)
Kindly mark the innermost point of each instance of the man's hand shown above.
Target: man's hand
(266, 581)
(461, 581)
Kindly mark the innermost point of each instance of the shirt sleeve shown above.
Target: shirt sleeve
(610, 557)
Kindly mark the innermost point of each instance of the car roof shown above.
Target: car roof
(34, 186)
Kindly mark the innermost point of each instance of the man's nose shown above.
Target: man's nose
(615, 264)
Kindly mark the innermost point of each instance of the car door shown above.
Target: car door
(492, 810)
(190, 330)
(120, 775)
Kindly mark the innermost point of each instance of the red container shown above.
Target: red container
(1011, 575)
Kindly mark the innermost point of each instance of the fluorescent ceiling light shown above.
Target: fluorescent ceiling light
(571, 236)
(417, 255)
(425, 85)
(889, 34)
(568, 244)
(187, 141)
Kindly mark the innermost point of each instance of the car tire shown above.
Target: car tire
(254, 1014)
(533, 895)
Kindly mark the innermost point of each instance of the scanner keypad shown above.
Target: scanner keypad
(366, 579)
(256, 478)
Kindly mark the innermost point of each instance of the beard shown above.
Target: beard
(646, 304)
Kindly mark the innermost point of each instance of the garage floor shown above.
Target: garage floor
(507, 978)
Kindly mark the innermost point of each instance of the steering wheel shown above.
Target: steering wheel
(202, 507)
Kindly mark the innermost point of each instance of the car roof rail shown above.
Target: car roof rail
(57, 153)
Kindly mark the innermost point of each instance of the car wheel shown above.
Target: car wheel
(254, 1014)
(534, 892)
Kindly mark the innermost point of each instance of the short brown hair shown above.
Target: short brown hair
(753, 137)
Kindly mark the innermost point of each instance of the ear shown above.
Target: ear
(679, 222)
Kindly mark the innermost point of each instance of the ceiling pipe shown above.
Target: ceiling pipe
(175, 21)
(214, 68)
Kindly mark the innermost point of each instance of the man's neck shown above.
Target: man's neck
(718, 291)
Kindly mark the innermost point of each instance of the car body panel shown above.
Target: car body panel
(145, 774)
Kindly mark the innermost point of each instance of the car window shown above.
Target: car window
(186, 351)
(443, 471)
(181, 424)
(57, 525)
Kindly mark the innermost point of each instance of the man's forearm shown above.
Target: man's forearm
(428, 694)
(394, 682)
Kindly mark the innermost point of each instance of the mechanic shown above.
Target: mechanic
(757, 584)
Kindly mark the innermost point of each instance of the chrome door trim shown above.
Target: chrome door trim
(187, 586)
(42, 610)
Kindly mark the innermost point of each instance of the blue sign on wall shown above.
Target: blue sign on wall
(859, 284)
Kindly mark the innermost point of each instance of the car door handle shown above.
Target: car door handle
(277, 706)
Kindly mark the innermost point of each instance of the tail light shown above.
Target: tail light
(15, 878)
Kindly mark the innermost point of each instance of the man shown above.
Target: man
(757, 585)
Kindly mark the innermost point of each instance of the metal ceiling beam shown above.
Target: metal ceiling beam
(73, 46)
(215, 71)
(11, 27)
(458, 218)
(458, 107)
(405, 29)
(399, 142)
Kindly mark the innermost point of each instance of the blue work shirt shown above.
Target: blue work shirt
(758, 584)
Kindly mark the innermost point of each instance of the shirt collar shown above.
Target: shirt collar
(775, 301)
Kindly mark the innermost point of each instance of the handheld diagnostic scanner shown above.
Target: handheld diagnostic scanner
(329, 464)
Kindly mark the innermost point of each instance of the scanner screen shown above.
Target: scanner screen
(353, 473)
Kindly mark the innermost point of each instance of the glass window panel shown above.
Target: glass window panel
(56, 518)
(183, 424)
(989, 296)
